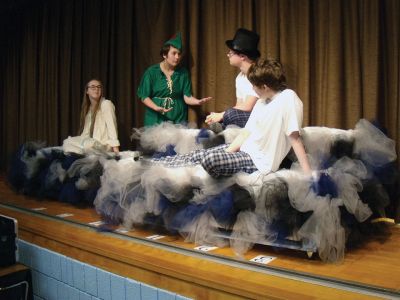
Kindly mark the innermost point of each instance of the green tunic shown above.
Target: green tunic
(154, 85)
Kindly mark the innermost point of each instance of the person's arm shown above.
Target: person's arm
(108, 111)
(150, 104)
(187, 90)
(238, 141)
(248, 104)
(245, 106)
(194, 101)
(300, 152)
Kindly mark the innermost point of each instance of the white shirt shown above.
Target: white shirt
(105, 126)
(243, 88)
(270, 124)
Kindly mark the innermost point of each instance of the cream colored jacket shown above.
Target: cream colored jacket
(105, 126)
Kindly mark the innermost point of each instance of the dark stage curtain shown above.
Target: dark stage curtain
(342, 57)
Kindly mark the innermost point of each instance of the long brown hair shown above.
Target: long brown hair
(86, 107)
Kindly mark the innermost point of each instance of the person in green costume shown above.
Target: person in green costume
(165, 88)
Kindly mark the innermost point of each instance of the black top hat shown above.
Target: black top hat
(245, 42)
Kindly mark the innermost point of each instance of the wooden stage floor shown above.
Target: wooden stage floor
(169, 262)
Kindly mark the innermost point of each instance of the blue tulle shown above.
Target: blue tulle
(17, 170)
(380, 187)
(379, 126)
(222, 208)
(170, 151)
(163, 203)
(89, 195)
(69, 193)
(325, 186)
(50, 189)
(69, 159)
(110, 211)
(203, 135)
(186, 215)
(387, 174)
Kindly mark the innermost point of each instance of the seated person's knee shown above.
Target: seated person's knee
(210, 164)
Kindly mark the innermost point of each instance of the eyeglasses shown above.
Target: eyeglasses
(93, 87)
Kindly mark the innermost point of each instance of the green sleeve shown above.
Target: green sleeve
(144, 89)
(187, 84)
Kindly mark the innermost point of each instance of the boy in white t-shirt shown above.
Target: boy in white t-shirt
(274, 125)
(272, 129)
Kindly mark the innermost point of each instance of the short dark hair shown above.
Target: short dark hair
(164, 50)
(253, 58)
(269, 72)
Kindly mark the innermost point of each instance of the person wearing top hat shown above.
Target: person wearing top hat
(242, 54)
(165, 88)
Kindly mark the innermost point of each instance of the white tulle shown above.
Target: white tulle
(133, 190)
(249, 229)
(159, 137)
(372, 145)
(137, 186)
(204, 230)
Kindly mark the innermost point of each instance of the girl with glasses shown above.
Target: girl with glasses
(98, 124)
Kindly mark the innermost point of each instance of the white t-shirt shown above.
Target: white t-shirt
(270, 124)
(105, 127)
(243, 88)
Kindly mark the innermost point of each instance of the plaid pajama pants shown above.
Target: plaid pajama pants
(214, 160)
(235, 116)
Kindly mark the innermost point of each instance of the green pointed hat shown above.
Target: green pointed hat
(175, 41)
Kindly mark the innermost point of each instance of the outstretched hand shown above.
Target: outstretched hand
(204, 100)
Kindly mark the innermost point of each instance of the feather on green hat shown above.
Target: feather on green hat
(175, 41)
